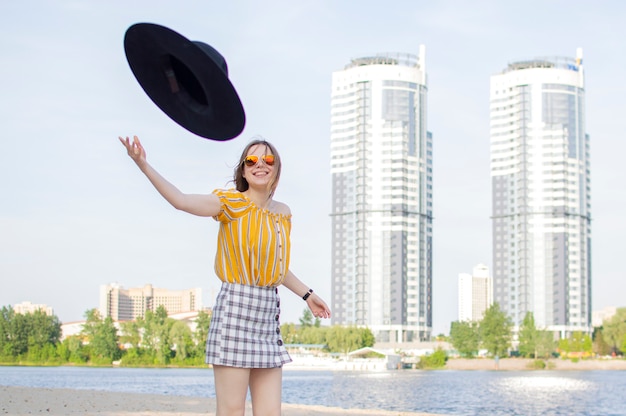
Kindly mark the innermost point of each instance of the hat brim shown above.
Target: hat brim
(184, 81)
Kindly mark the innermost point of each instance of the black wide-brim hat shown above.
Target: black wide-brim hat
(186, 79)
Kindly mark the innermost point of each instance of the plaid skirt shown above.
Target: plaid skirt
(245, 328)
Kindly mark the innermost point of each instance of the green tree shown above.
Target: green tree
(312, 335)
(8, 337)
(435, 360)
(149, 338)
(340, 340)
(156, 335)
(600, 346)
(17, 328)
(76, 350)
(45, 329)
(102, 337)
(614, 330)
(290, 333)
(545, 344)
(367, 338)
(203, 322)
(578, 342)
(307, 318)
(581, 342)
(32, 335)
(63, 352)
(528, 336)
(350, 338)
(564, 346)
(108, 341)
(4, 333)
(45, 354)
(131, 332)
(465, 337)
(182, 340)
(495, 331)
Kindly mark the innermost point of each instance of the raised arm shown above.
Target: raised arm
(204, 205)
(313, 301)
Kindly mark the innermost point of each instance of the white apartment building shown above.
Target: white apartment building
(29, 307)
(541, 212)
(127, 304)
(475, 294)
(598, 317)
(381, 168)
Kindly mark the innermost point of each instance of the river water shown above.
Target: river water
(444, 392)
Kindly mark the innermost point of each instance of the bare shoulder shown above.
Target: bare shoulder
(280, 208)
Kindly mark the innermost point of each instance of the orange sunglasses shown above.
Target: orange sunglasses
(254, 159)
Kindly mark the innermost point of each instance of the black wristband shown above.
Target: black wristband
(307, 294)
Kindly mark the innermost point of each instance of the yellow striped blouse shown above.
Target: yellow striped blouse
(252, 243)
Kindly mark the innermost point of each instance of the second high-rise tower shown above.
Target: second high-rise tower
(381, 167)
(541, 193)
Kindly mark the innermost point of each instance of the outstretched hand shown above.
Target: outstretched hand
(135, 149)
(318, 306)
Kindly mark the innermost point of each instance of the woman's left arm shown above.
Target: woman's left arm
(313, 301)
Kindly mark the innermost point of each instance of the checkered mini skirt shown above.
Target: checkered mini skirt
(245, 328)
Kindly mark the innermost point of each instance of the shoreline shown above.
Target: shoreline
(525, 364)
(22, 401)
(481, 363)
(462, 364)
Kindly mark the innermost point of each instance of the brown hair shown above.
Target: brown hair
(240, 182)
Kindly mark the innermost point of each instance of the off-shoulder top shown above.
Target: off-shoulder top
(253, 244)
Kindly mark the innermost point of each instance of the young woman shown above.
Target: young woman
(244, 343)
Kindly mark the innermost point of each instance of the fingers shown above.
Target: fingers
(324, 311)
(320, 310)
(133, 148)
(136, 146)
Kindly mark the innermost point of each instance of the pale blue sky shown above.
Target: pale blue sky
(75, 213)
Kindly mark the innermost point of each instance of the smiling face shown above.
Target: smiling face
(259, 166)
(256, 170)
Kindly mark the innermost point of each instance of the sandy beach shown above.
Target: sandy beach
(21, 401)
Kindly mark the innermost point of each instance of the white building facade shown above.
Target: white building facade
(475, 294)
(29, 307)
(541, 210)
(381, 168)
(128, 304)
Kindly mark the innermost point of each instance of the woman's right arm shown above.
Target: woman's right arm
(204, 205)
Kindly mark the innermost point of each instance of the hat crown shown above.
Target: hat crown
(214, 55)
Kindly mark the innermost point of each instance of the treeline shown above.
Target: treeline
(154, 340)
(494, 334)
(336, 339)
(33, 335)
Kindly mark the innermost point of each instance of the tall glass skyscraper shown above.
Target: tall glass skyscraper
(381, 167)
(541, 193)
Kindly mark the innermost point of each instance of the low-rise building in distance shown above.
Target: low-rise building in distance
(28, 307)
(475, 294)
(128, 304)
